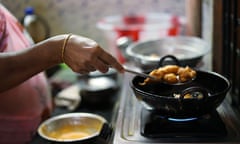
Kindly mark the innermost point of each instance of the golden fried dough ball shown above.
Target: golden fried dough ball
(170, 78)
(157, 73)
(186, 74)
(171, 74)
(187, 96)
(170, 69)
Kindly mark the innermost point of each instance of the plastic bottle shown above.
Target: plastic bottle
(35, 25)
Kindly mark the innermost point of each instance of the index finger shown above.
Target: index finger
(111, 61)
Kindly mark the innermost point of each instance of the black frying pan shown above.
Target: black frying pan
(160, 98)
(208, 91)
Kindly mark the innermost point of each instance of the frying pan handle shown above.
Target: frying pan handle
(163, 59)
(196, 92)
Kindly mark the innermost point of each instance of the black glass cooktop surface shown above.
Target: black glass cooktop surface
(155, 126)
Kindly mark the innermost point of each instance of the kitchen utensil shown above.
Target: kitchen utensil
(162, 63)
(145, 75)
(139, 27)
(112, 73)
(168, 100)
(74, 128)
(188, 50)
(140, 73)
(97, 91)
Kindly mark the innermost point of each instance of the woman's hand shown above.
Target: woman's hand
(84, 55)
(81, 54)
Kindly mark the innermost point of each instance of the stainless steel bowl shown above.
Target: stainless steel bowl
(72, 127)
(188, 50)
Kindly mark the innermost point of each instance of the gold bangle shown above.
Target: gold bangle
(64, 46)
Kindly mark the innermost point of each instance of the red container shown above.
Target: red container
(139, 27)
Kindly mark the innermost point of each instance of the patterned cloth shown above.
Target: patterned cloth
(22, 108)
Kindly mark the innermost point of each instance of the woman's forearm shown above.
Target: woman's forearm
(81, 54)
(16, 67)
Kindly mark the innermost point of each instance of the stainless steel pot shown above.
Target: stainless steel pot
(188, 50)
(75, 128)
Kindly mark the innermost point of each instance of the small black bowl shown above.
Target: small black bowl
(98, 90)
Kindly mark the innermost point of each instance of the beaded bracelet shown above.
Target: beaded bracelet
(65, 45)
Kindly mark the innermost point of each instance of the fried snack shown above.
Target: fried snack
(186, 74)
(171, 74)
(170, 78)
(157, 73)
(187, 96)
(170, 69)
